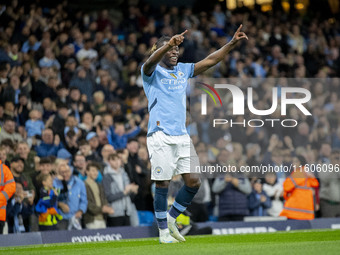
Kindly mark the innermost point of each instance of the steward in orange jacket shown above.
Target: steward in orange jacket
(7, 189)
(299, 196)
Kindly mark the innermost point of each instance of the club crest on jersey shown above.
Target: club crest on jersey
(180, 74)
(158, 170)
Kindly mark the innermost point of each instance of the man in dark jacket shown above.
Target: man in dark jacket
(233, 191)
(58, 124)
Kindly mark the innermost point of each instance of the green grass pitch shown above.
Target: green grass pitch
(295, 242)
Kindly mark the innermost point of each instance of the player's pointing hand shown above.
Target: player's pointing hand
(239, 35)
(176, 40)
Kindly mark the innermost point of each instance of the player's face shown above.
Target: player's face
(171, 57)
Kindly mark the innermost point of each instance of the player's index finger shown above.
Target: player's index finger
(184, 32)
(239, 28)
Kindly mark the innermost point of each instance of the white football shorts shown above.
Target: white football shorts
(171, 155)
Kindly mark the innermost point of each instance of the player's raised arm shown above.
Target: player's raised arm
(159, 53)
(220, 54)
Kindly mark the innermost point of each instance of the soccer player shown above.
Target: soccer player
(170, 148)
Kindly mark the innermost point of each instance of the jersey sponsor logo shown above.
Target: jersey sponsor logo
(166, 81)
(158, 170)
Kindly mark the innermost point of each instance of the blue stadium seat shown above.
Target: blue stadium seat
(146, 218)
(213, 218)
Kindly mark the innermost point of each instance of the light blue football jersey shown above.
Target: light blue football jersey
(166, 93)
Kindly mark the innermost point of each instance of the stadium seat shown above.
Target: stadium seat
(146, 218)
(213, 218)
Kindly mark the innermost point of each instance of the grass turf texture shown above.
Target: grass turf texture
(294, 242)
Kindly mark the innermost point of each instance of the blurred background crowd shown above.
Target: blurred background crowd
(72, 108)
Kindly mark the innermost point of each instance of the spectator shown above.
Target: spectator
(17, 168)
(71, 124)
(43, 168)
(137, 173)
(71, 142)
(7, 189)
(31, 44)
(119, 136)
(49, 60)
(73, 199)
(3, 155)
(12, 92)
(99, 106)
(330, 188)
(34, 125)
(201, 201)
(18, 209)
(79, 166)
(232, 192)
(50, 144)
(77, 104)
(298, 192)
(87, 51)
(92, 139)
(111, 62)
(83, 83)
(118, 189)
(273, 156)
(87, 123)
(47, 204)
(105, 152)
(69, 67)
(85, 149)
(97, 203)
(38, 85)
(28, 156)
(258, 200)
(58, 125)
(49, 110)
(274, 191)
(23, 109)
(8, 131)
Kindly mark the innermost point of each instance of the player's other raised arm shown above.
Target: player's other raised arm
(159, 52)
(220, 54)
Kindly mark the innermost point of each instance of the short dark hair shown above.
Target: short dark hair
(92, 164)
(8, 118)
(16, 159)
(113, 156)
(45, 160)
(8, 142)
(42, 177)
(132, 140)
(62, 105)
(159, 43)
(83, 142)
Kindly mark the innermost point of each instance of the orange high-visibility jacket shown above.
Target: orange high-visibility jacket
(298, 193)
(7, 189)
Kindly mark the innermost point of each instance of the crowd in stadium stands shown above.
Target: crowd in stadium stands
(72, 107)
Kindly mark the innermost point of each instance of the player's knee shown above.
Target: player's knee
(194, 183)
(162, 184)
